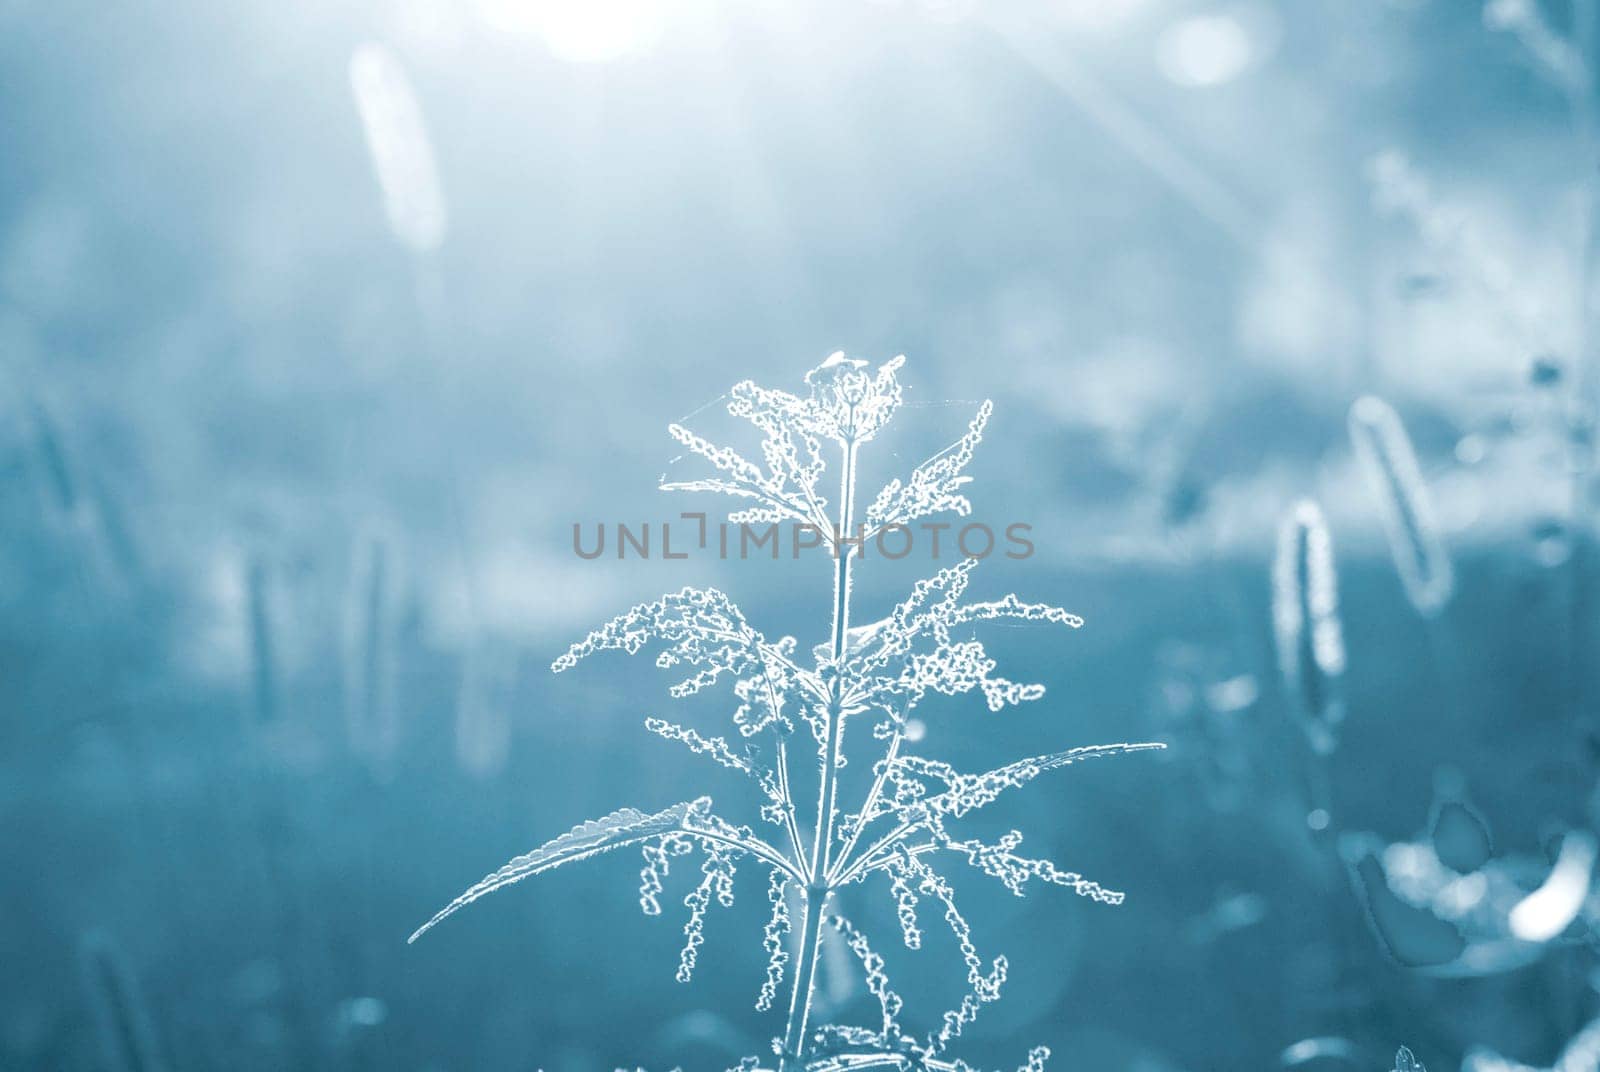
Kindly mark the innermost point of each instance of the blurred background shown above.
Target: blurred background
(323, 321)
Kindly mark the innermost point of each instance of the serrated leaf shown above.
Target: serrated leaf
(625, 826)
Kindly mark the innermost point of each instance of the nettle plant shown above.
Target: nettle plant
(790, 715)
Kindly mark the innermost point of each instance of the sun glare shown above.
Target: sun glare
(580, 31)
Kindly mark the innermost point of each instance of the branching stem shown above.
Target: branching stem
(787, 804)
(866, 815)
(816, 890)
(882, 843)
(754, 846)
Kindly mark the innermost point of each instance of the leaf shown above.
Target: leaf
(625, 826)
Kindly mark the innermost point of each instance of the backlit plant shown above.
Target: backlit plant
(790, 715)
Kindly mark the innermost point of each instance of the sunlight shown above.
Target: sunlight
(592, 31)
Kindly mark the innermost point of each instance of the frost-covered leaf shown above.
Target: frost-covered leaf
(625, 826)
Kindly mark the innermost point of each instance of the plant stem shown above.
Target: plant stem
(878, 846)
(816, 897)
(787, 805)
(816, 891)
(866, 809)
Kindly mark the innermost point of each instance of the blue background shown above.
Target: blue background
(253, 433)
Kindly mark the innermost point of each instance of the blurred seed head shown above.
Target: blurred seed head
(402, 154)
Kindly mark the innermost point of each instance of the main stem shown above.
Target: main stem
(816, 891)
